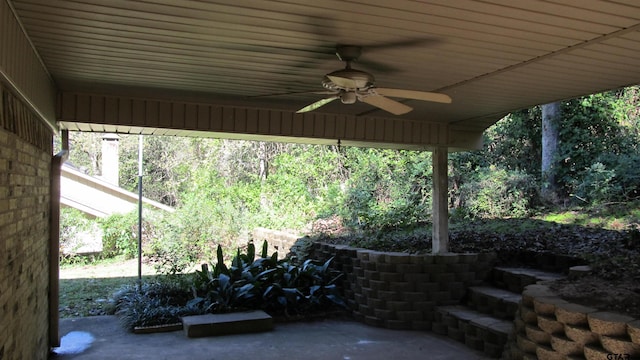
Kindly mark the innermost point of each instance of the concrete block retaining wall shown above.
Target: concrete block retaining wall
(279, 241)
(400, 290)
(548, 327)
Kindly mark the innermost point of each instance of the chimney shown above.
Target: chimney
(110, 159)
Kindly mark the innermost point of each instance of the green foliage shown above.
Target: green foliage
(120, 235)
(154, 303)
(599, 151)
(494, 193)
(598, 161)
(277, 286)
(171, 257)
(597, 184)
(387, 188)
(222, 189)
(515, 142)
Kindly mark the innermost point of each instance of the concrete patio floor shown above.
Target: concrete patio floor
(328, 339)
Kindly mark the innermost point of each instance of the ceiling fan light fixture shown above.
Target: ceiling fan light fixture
(348, 97)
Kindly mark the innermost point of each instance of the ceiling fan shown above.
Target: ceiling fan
(351, 85)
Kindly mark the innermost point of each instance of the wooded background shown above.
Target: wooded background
(578, 152)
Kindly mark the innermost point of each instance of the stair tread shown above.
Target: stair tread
(495, 292)
(461, 312)
(538, 274)
(495, 324)
(477, 318)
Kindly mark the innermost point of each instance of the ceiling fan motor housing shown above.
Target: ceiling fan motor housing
(362, 79)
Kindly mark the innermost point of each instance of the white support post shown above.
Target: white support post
(440, 210)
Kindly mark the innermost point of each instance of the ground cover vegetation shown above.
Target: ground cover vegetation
(499, 196)
(279, 287)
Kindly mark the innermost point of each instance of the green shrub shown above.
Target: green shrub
(387, 189)
(120, 235)
(612, 178)
(494, 193)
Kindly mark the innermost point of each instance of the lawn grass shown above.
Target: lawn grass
(91, 296)
(86, 287)
(619, 216)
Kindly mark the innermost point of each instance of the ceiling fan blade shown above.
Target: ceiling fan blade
(415, 95)
(386, 104)
(317, 104)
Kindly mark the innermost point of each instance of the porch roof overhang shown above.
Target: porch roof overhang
(201, 67)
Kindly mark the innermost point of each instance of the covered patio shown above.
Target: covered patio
(243, 70)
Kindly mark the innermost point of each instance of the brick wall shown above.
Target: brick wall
(399, 290)
(25, 158)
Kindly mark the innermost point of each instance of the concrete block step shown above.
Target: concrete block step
(499, 303)
(225, 324)
(515, 279)
(479, 331)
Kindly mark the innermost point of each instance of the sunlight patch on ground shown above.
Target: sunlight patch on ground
(74, 342)
(128, 268)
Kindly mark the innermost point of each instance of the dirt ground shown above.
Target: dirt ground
(617, 296)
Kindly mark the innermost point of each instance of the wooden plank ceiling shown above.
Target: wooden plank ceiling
(490, 56)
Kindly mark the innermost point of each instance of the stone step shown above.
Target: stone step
(493, 301)
(478, 331)
(225, 324)
(515, 279)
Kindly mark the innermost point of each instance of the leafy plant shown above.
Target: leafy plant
(154, 303)
(276, 286)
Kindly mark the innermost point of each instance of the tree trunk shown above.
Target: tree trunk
(263, 155)
(551, 114)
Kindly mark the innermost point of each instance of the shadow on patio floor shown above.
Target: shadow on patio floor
(328, 339)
